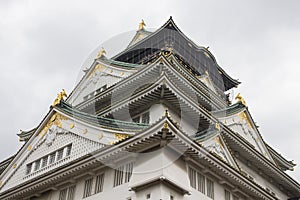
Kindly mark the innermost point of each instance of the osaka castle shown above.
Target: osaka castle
(156, 121)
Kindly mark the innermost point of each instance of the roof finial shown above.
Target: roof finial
(60, 97)
(239, 98)
(101, 53)
(142, 25)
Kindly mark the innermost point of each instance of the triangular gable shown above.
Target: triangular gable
(58, 133)
(208, 82)
(140, 34)
(90, 85)
(241, 122)
(216, 145)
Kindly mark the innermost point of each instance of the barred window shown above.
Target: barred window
(99, 183)
(227, 195)
(68, 151)
(67, 193)
(48, 159)
(128, 171)
(192, 176)
(123, 174)
(71, 192)
(210, 188)
(201, 182)
(44, 161)
(118, 179)
(88, 188)
(37, 165)
(63, 194)
(52, 158)
(60, 154)
(29, 168)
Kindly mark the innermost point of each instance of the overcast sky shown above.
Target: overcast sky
(43, 45)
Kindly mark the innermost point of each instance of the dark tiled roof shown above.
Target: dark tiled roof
(100, 121)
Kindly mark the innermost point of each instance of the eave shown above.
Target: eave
(5, 163)
(264, 165)
(150, 73)
(280, 160)
(178, 141)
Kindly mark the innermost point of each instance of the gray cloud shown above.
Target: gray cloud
(43, 45)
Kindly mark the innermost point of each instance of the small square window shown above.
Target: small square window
(68, 151)
(29, 168)
(44, 161)
(60, 154)
(52, 158)
(148, 196)
(37, 165)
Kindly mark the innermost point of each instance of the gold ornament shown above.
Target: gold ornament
(120, 136)
(239, 98)
(72, 126)
(56, 120)
(101, 53)
(142, 25)
(60, 97)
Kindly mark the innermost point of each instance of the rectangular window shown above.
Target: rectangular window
(44, 161)
(118, 179)
(48, 160)
(192, 176)
(146, 118)
(210, 188)
(68, 151)
(37, 165)
(60, 154)
(88, 188)
(123, 174)
(201, 183)
(227, 195)
(128, 171)
(99, 183)
(71, 192)
(63, 194)
(51, 158)
(29, 168)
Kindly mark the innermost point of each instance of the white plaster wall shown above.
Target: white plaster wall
(156, 112)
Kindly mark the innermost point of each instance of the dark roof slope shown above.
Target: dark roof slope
(169, 37)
